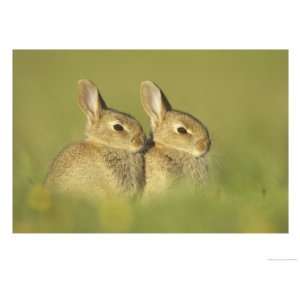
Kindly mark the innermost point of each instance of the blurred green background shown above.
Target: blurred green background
(242, 97)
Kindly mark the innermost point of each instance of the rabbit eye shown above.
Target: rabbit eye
(181, 130)
(118, 127)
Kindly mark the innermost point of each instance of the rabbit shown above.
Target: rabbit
(109, 161)
(178, 144)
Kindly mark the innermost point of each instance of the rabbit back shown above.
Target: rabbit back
(85, 169)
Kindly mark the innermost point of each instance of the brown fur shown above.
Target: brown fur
(165, 167)
(91, 170)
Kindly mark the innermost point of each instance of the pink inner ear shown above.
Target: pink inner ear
(156, 106)
(154, 100)
(91, 100)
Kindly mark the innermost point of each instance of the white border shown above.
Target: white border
(148, 266)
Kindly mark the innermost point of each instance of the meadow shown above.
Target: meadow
(241, 96)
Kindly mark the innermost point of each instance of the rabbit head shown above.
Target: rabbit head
(171, 128)
(106, 126)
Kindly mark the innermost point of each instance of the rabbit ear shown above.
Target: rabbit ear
(154, 102)
(90, 100)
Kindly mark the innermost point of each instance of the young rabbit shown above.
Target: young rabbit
(109, 161)
(179, 143)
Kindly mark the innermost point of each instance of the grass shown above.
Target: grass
(242, 97)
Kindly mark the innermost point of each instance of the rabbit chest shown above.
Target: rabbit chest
(182, 165)
(124, 169)
(173, 165)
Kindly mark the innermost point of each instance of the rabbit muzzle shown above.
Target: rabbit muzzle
(138, 142)
(202, 146)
